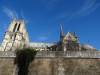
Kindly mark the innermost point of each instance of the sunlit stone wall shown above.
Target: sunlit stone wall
(54, 66)
(7, 66)
(64, 66)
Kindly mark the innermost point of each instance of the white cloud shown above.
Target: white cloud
(42, 38)
(24, 17)
(87, 8)
(10, 13)
(50, 4)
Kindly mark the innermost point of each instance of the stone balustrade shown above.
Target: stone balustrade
(7, 54)
(69, 54)
(52, 54)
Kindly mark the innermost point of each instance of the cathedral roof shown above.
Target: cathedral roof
(40, 44)
(87, 46)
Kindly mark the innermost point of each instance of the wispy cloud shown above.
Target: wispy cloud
(10, 13)
(87, 8)
(23, 16)
(42, 38)
(50, 4)
(3, 28)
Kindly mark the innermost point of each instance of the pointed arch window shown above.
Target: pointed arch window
(14, 29)
(18, 27)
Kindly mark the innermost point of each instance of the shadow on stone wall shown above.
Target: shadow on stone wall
(23, 59)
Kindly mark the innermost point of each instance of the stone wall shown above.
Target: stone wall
(6, 66)
(52, 54)
(54, 66)
(64, 66)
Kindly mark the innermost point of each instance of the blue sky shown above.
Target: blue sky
(43, 18)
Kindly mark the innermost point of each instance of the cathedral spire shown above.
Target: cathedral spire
(61, 32)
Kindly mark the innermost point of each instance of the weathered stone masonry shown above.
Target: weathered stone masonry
(50, 65)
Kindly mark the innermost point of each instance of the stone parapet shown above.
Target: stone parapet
(52, 54)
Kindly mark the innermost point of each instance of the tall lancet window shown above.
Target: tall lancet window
(18, 27)
(14, 29)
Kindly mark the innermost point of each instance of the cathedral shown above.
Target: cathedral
(16, 37)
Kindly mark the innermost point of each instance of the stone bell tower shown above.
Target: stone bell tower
(15, 37)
